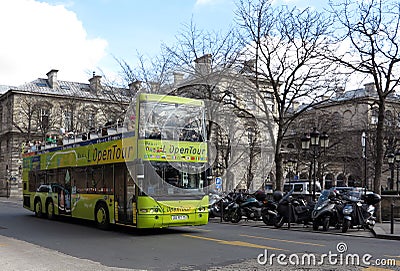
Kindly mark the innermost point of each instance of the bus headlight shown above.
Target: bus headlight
(150, 210)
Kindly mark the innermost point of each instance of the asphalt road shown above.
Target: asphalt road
(212, 247)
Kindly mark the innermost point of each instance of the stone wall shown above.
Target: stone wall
(387, 200)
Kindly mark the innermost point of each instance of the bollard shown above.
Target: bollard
(391, 218)
(290, 214)
(221, 211)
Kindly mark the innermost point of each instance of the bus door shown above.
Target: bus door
(125, 196)
(64, 193)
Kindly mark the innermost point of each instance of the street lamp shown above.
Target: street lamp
(397, 159)
(364, 155)
(291, 166)
(390, 158)
(251, 135)
(317, 142)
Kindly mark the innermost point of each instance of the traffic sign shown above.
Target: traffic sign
(218, 180)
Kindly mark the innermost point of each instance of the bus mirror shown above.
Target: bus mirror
(140, 171)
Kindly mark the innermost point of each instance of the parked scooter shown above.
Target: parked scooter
(359, 210)
(269, 210)
(249, 205)
(293, 210)
(327, 211)
(221, 206)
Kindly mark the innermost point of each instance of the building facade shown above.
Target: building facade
(349, 118)
(46, 110)
(240, 123)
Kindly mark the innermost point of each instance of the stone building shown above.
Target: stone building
(345, 117)
(47, 109)
(240, 127)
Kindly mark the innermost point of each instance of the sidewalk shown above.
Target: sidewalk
(383, 230)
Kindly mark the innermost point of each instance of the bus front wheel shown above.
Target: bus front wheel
(50, 210)
(101, 216)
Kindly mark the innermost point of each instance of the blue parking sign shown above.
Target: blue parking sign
(218, 181)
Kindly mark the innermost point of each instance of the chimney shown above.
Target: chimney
(369, 87)
(339, 91)
(154, 86)
(295, 106)
(203, 64)
(178, 78)
(95, 82)
(249, 65)
(135, 86)
(52, 78)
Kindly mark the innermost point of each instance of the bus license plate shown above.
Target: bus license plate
(179, 217)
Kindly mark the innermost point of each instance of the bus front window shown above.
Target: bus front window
(183, 122)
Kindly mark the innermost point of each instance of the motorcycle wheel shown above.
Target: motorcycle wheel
(236, 216)
(268, 219)
(325, 223)
(226, 217)
(346, 225)
(315, 225)
(280, 220)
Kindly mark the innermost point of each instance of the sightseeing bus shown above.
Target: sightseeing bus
(149, 172)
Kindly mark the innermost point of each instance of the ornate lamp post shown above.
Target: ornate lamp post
(291, 166)
(318, 143)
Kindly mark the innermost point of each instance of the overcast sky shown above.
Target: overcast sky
(78, 37)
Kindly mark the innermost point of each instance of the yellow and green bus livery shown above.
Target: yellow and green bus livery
(133, 178)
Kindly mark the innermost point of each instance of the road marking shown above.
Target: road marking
(196, 229)
(282, 240)
(374, 268)
(234, 243)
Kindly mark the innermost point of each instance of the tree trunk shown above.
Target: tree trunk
(379, 155)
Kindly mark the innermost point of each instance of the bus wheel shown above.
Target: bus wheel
(38, 208)
(101, 216)
(50, 210)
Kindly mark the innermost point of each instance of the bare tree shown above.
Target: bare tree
(372, 27)
(286, 47)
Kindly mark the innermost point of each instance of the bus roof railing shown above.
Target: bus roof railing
(71, 137)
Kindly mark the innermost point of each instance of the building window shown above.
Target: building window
(68, 121)
(91, 120)
(44, 115)
(374, 117)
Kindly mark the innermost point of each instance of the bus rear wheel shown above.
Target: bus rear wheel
(38, 208)
(101, 216)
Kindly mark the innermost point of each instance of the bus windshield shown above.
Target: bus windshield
(171, 121)
(174, 179)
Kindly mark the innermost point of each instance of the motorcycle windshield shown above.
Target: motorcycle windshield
(323, 198)
(354, 195)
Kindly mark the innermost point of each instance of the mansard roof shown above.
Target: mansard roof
(41, 86)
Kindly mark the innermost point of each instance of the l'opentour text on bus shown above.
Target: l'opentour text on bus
(148, 173)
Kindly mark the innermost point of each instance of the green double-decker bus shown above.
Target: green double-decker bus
(149, 172)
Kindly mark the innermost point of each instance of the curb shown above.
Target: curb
(381, 234)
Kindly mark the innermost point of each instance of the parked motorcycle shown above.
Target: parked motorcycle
(327, 211)
(293, 210)
(269, 210)
(359, 209)
(249, 205)
(221, 206)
